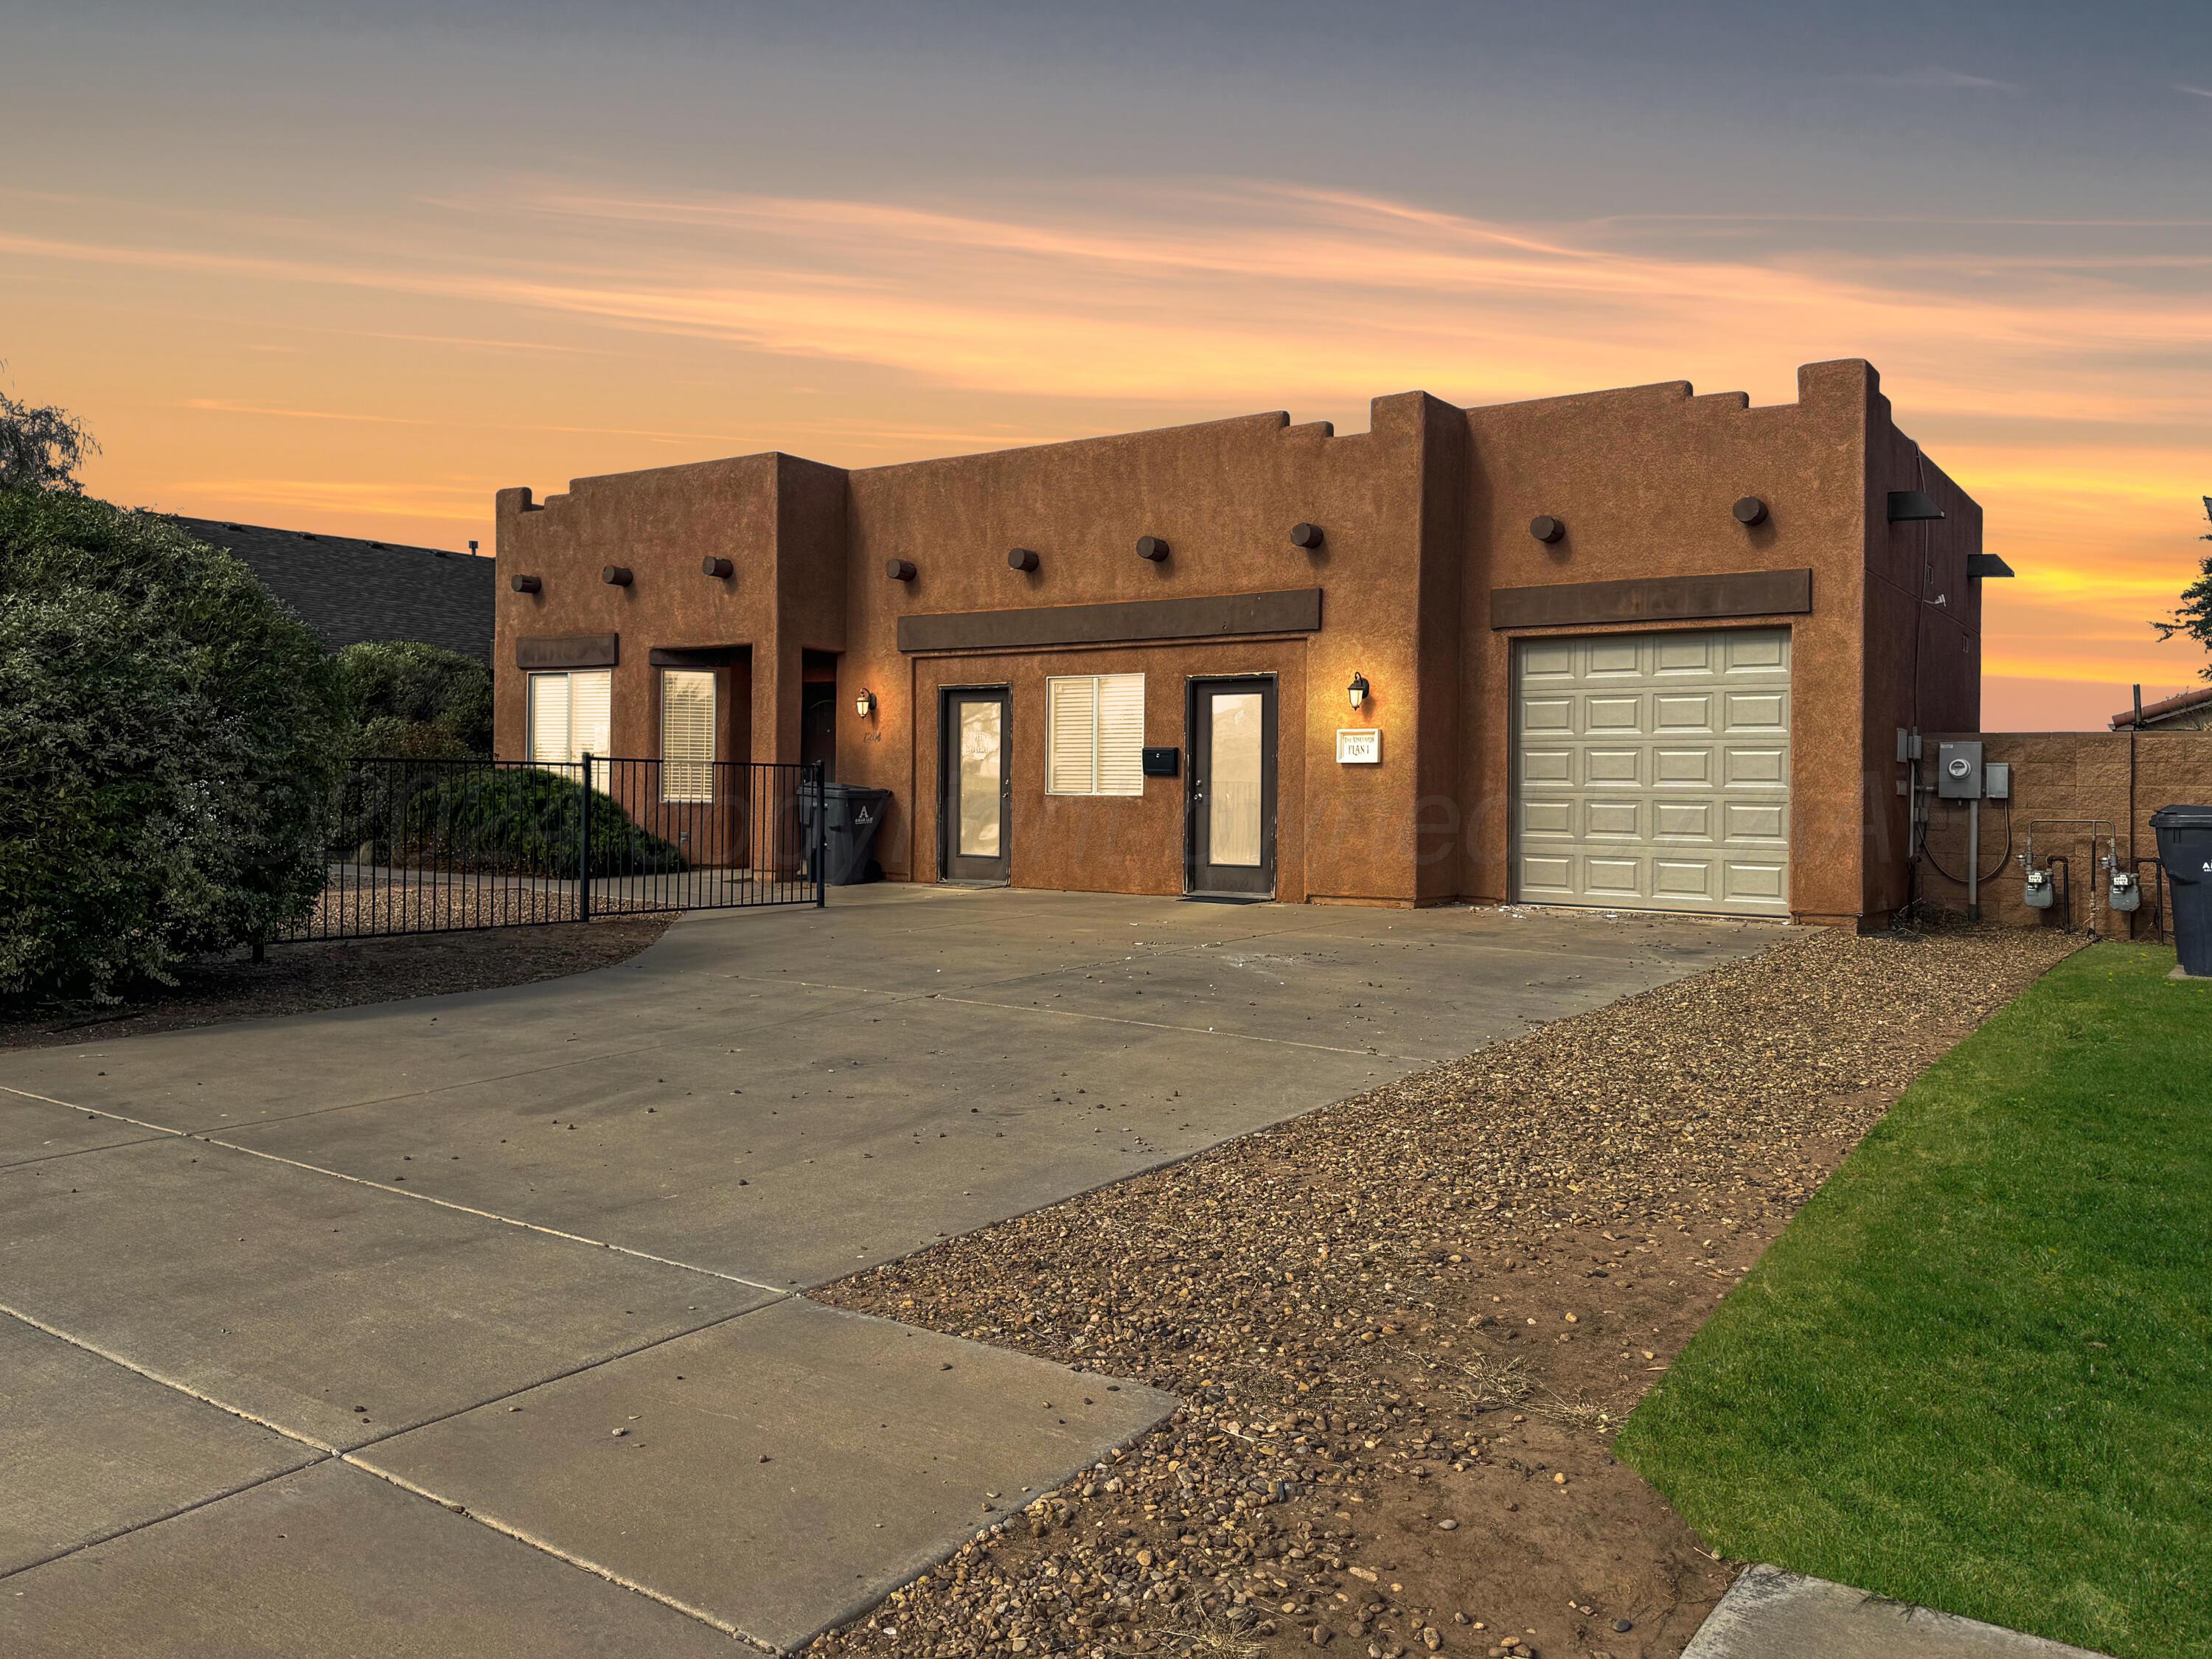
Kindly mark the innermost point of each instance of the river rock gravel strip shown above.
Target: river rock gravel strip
(1406, 1327)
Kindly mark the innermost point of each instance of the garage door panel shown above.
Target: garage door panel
(1654, 771)
(1759, 764)
(1613, 715)
(1613, 820)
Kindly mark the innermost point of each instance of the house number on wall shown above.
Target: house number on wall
(1362, 747)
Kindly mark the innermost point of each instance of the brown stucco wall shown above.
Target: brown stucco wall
(1224, 496)
(1644, 479)
(1425, 514)
(2059, 775)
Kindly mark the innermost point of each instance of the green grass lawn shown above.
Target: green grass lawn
(1976, 1372)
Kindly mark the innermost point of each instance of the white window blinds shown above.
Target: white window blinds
(1095, 734)
(569, 715)
(687, 734)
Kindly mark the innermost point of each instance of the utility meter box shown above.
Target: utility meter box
(1997, 781)
(1959, 771)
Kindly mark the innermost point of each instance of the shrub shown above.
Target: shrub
(515, 820)
(168, 739)
(417, 700)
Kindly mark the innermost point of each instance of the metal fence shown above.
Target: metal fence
(443, 846)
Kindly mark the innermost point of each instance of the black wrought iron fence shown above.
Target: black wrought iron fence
(427, 847)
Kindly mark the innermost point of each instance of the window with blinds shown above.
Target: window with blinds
(569, 715)
(1095, 734)
(687, 734)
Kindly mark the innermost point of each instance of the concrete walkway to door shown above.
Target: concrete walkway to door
(469, 1324)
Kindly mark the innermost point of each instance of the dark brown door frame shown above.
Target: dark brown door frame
(951, 865)
(1220, 881)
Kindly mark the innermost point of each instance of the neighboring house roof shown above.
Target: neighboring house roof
(2191, 710)
(347, 590)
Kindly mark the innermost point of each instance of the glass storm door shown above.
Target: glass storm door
(975, 813)
(1232, 788)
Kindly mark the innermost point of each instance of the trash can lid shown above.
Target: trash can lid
(851, 792)
(2182, 817)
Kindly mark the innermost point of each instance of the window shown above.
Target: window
(1095, 736)
(569, 715)
(687, 734)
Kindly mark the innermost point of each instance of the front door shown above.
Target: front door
(975, 810)
(1232, 788)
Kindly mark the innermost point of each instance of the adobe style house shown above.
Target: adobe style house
(347, 590)
(1633, 649)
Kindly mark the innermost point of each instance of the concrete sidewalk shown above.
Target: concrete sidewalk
(405, 1307)
(1769, 1613)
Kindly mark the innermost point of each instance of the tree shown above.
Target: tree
(169, 738)
(42, 447)
(2192, 618)
(415, 701)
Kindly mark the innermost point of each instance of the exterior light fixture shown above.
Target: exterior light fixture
(899, 570)
(616, 575)
(1991, 564)
(1022, 559)
(1152, 548)
(1308, 536)
(1912, 506)
(722, 569)
(1357, 689)
(864, 704)
(524, 584)
(1546, 528)
(1749, 511)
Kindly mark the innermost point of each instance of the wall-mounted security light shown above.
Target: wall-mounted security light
(1357, 689)
(616, 575)
(1307, 535)
(1152, 548)
(1912, 506)
(864, 704)
(1749, 510)
(1546, 528)
(1022, 559)
(524, 584)
(1987, 564)
(721, 569)
(899, 570)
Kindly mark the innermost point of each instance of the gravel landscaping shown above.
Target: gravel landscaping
(303, 978)
(1407, 1327)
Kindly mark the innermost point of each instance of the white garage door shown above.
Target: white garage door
(1651, 771)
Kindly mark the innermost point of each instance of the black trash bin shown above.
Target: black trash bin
(2184, 847)
(855, 815)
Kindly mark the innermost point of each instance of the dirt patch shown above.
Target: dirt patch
(302, 978)
(1407, 1325)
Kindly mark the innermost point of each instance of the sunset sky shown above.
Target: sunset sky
(353, 268)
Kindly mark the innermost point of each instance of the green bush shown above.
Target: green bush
(168, 741)
(417, 700)
(514, 821)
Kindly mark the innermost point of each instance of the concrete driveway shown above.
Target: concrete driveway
(469, 1325)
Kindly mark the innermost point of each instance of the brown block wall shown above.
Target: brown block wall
(2066, 776)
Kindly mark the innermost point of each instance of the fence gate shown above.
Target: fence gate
(443, 846)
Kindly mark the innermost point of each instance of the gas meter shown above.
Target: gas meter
(2041, 893)
(2127, 891)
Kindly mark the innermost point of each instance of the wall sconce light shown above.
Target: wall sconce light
(864, 704)
(1152, 548)
(1912, 506)
(1546, 528)
(524, 584)
(615, 575)
(1749, 511)
(1022, 559)
(1357, 689)
(723, 568)
(1308, 536)
(899, 570)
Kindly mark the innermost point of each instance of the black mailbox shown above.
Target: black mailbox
(1161, 762)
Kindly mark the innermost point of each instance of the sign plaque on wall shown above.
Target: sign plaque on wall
(1359, 747)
